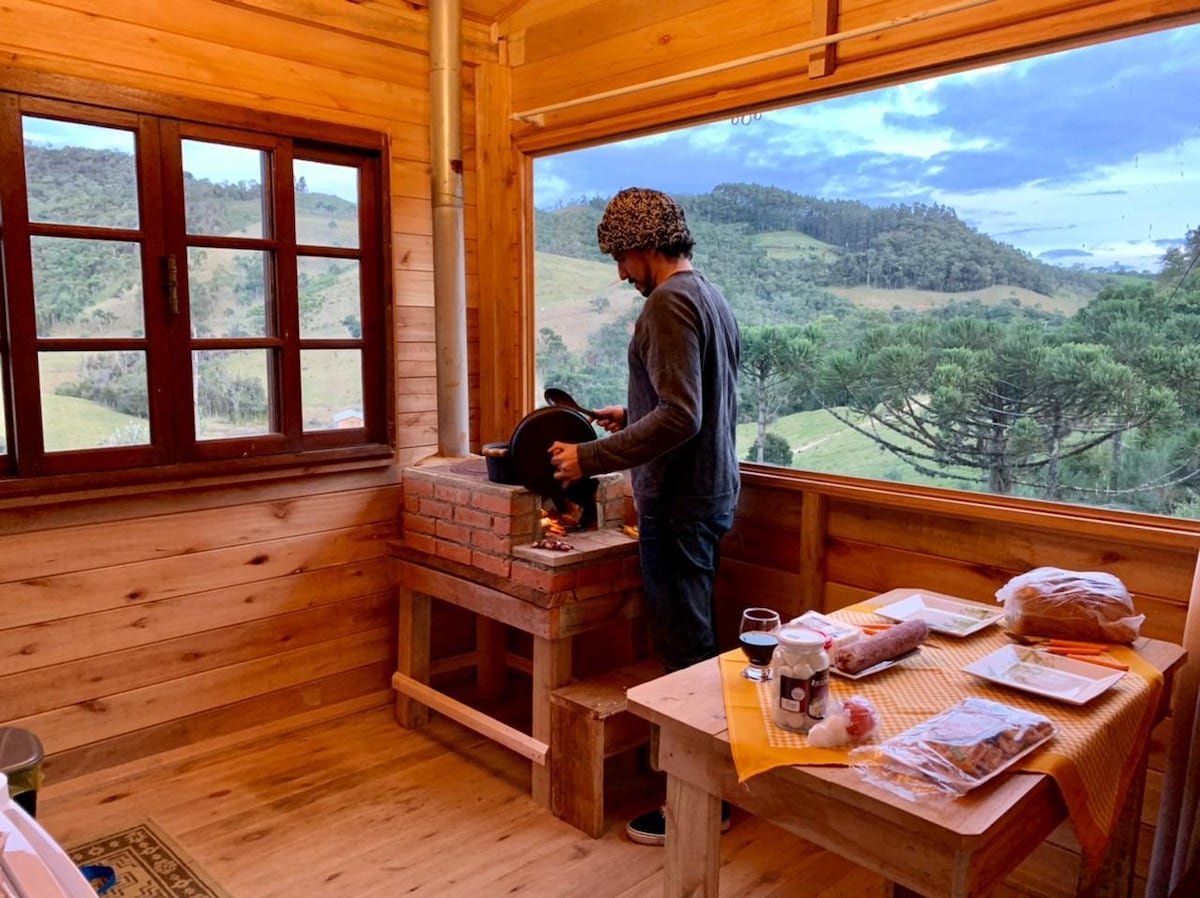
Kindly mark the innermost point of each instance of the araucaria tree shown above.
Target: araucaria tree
(773, 358)
(1001, 404)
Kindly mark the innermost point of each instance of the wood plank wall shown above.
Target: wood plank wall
(136, 623)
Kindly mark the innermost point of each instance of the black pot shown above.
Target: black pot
(499, 463)
(525, 459)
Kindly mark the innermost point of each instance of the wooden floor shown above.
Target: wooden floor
(360, 807)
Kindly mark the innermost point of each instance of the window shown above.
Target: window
(985, 281)
(177, 292)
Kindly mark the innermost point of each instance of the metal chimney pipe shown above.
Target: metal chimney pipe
(449, 245)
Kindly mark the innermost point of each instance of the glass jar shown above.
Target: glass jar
(800, 681)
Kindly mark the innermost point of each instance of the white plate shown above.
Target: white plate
(949, 616)
(874, 668)
(1052, 676)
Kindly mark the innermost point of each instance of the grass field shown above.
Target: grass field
(824, 444)
(793, 245)
(72, 423)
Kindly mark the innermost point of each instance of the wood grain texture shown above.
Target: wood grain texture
(376, 811)
(991, 33)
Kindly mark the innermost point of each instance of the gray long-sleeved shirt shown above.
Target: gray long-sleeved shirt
(681, 419)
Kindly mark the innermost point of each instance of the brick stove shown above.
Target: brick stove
(469, 542)
(463, 522)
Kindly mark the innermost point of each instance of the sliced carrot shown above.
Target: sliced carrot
(1073, 643)
(1073, 650)
(1103, 662)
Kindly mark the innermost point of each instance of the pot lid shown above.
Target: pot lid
(529, 447)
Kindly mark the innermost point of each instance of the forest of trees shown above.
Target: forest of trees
(1100, 407)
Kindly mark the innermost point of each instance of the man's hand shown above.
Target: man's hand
(565, 458)
(611, 418)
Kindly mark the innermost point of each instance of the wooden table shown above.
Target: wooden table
(960, 849)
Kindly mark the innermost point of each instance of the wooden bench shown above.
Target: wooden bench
(588, 723)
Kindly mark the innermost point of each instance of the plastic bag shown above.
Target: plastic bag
(850, 720)
(952, 752)
(1086, 605)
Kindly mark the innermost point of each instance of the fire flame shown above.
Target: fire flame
(555, 525)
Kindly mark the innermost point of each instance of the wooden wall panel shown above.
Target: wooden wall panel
(232, 596)
(146, 625)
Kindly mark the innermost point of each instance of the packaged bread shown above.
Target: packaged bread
(1088, 605)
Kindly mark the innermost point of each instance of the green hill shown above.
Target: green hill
(823, 444)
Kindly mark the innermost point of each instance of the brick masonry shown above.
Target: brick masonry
(453, 512)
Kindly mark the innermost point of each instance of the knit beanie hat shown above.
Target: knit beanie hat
(640, 218)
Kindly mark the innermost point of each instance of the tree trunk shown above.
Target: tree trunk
(762, 419)
(1114, 469)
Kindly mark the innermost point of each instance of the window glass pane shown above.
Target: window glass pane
(223, 189)
(231, 393)
(329, 298)
(87, 288)
(229, 291)
(326, 204)
(92, 400)
(80, 174)
(331, 388)
(986, 281)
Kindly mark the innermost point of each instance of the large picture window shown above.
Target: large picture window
(986, 281)
(181, 292)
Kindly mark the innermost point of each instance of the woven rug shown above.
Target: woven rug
(148, 865)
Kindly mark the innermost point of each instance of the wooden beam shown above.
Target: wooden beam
(823, 60)
(813, 510)
(511, 738)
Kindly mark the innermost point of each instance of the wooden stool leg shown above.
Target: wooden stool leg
(551, 669)
(412, 654)
(577, 769)
(491, 647)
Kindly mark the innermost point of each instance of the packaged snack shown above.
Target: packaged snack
(953, 752)
(840, 632)
(1086, 605)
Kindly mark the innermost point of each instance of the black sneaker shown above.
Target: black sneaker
(651, 828)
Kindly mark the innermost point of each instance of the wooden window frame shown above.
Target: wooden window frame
(174, 452)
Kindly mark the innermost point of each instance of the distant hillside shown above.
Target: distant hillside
(93, 287)
(836, 243)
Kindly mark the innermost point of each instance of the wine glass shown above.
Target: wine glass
(757, 636)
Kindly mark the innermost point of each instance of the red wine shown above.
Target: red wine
(758, 646)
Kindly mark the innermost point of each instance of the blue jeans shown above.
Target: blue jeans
(679, 559)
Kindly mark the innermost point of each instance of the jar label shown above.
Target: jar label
(805, 695)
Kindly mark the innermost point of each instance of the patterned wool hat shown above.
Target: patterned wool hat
(640, 218)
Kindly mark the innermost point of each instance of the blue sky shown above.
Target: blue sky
(1090, 156)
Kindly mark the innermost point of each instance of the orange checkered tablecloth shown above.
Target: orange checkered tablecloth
(1090, 756)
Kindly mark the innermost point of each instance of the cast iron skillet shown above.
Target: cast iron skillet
(529, 448)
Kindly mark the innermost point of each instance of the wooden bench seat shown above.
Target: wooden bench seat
(588, 723)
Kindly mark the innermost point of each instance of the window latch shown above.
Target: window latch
(170, 276)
